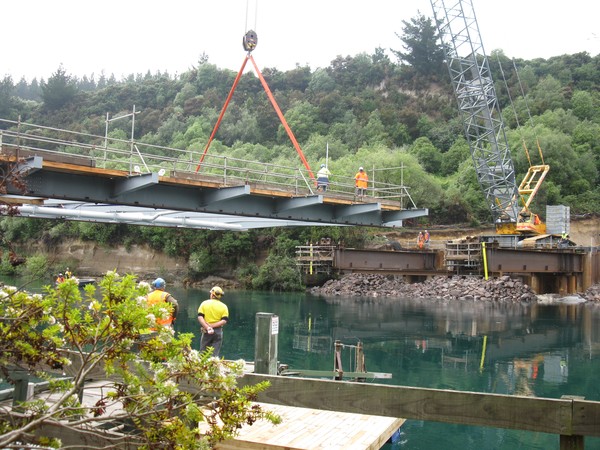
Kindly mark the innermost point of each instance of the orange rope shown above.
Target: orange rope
(275, 106)
(216, 127)
(282, 118)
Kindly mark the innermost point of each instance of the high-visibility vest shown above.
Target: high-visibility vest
(361, 180)
(154, 298)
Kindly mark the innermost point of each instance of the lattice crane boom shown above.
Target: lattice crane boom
(478, 104)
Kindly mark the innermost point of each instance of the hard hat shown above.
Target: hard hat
(60, 274)
(217, 291)
(360, 168)
(159, 283)
(322, 165)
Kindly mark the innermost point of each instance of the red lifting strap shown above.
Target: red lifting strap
(275, 106)
(216, 127)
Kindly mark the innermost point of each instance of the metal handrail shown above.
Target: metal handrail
(115, 153)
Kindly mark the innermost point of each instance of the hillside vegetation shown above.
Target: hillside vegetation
(367, 110)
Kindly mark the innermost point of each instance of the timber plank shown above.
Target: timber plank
(304, 428)
(586, 418)
(468, 408)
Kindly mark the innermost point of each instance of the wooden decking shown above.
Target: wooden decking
(300, 429)
(304, 428)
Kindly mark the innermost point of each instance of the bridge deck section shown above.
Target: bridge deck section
(96, 170)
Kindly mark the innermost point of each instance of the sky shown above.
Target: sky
(122, 37)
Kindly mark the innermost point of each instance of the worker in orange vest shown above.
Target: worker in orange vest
(420, 240)
(361, 181)
(158, 295)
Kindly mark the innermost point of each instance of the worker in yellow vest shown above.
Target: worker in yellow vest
(213, 315)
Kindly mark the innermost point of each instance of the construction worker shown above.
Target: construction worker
(68, 273)
(60, 278)
(361, 181)
(213, 315)
(323, 178)
(157, 296)
(420, 240)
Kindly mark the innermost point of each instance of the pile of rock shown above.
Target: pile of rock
(592, 294)
(364, 285)
(503, 289)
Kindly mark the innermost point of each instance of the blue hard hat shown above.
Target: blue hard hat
(159, 283)
(322, 165)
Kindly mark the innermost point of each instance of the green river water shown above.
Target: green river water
(536, 350)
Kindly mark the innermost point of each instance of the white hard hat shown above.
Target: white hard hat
(360, 168)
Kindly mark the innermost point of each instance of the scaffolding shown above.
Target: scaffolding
(463, 256)
(315, 259)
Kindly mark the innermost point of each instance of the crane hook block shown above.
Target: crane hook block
(250, 40)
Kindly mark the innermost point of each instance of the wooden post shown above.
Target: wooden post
(563, 287)
(359, 363)
(22, 391)
(571, 442)
(588, 271)
(337, 361)
(265, 340)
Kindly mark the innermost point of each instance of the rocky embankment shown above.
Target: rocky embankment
(592, 294)
(465, 288)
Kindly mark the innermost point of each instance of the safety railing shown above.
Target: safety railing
(25, 139)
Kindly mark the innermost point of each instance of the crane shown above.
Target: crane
(483, 125)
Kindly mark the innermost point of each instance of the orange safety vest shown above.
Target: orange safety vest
(155, 297)
(361, 179)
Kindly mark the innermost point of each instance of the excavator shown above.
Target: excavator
(474, 89)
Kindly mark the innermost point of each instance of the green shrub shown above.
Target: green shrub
(201, 263)
(278, 273)
(6, 268)
(35, 266)
(245, 274)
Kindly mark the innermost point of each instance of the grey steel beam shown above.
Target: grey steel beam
(373, 260)
(140, 191)
(30, 165)
(298, 202)
(395, 218)
(345, 212)
(134, 183)
(225, 194)
(526, 261)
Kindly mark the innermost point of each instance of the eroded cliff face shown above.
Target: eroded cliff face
(91, 259)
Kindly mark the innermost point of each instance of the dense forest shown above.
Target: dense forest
(367, 110)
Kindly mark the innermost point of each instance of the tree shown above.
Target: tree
(59, 90)
(8, 103)
(454, 157)
(583, 105)
(155, 382)
(423, 52)
(427, 154)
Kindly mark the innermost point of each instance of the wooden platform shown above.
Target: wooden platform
(303, 428)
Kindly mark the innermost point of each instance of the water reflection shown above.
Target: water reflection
(523, 348)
